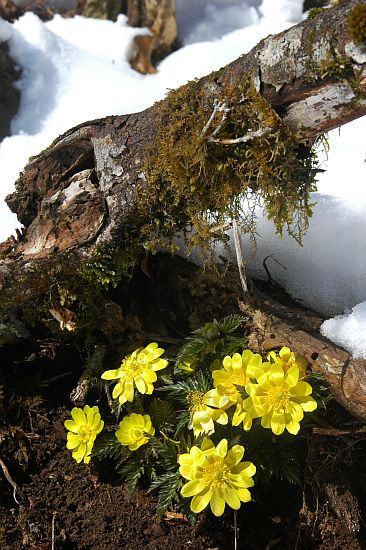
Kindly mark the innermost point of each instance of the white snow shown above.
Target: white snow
(76, 69)
(348, 331)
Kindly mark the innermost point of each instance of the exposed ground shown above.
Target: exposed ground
(62, 505)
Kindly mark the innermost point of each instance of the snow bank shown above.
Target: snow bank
(349, 331)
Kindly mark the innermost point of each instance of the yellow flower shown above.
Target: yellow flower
(203, 416)
(280, 399)
(189, 364)
(287, 358)
(133, 429)
(137, 370)
(238, 371)
(83, 430)
(216, 476)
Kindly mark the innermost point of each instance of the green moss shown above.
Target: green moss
(357, 23)
(331, 65)
(313, 12)
(109, 266)
(193, 182)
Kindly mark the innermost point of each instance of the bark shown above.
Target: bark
(81, 193)
(9, 95)
(159, 18)
(10, 11)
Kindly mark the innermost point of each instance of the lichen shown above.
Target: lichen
(357, 23)
(194, 182)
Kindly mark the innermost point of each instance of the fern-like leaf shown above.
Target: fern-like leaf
(168, 486)
(107, 446)
(133, 469)
(165, 452)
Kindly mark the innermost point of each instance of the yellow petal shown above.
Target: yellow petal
(187, 471)
(222, 418)
(266, 421)
(149, 376)
(293, 427)
(79, 416)
(308, 404)
(296, 412)
(199, 502)
(292, 376)
(277, 427)
(244, 495)
(236, 361)
(159, 364)
(221, 449)
(117, 390)
(72, 426)
(226, 363)
(79, 454)
(301, 389)
(246, 469)
(275, 374)
(73, 440)
(231, 498)
(217, 503)
(128, 391)
(140, 384)
(234, 456)
(193, 487)
(112, 374)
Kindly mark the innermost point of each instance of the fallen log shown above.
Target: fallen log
(125, 184)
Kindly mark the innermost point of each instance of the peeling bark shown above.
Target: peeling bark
(80, 193)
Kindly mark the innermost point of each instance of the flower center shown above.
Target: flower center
(278, 397)
(84, 434)
(216, 474)
(195, 400)
(133, 366)
(136, 433)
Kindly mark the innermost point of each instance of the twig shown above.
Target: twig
(243, 139)
(335, 432)
(48, 381)
(219, 107)
(108, 394)
(11, 481)
(236, 536)
(53, 530)
(239, 257)
(270, 278)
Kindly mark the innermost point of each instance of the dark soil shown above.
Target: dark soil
(63, 505)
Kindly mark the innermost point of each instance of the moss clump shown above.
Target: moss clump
(357, 23)
(313, 12)
(196, 182)
(109, 266)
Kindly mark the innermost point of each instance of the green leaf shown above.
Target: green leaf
(168, 486)
(107, 446)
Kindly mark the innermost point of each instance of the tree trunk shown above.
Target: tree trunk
(129, 181)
